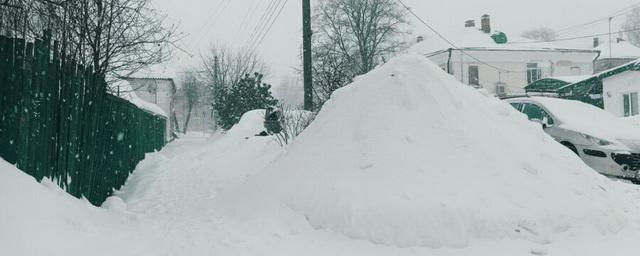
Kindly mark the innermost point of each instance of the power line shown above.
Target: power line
(613, 15)
(572, 38)
(273, 21)
(217, 12)
(249, 13)
(452, 44)
(266, 21)
(258, 30)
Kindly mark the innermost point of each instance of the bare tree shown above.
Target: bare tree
(364, 31)
(226, 66)
(330, 69)
(191, 89)
(118, 36)
(351, 37)
(632, 26)
(113, 36)
(293, 122)
(541, 34)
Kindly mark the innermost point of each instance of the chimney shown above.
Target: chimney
(596, 42)
(420, 39)
(486, 23)
(470, 24)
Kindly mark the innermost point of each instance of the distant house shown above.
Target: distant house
(615, 90)
(156, 85)
(618, 53)
(485, 58)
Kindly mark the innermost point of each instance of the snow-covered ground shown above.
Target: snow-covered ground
(406, 161)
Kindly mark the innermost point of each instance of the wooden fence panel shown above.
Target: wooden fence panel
(58, 121)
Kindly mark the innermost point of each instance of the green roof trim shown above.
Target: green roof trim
(549, 84)
(588, 90)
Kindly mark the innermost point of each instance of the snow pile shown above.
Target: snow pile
(41, 219)
(406, 156)
(189, 178)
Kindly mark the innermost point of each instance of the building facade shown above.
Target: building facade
(159, 91)
(507, 71)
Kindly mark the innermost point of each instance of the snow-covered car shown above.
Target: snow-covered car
(606, 143)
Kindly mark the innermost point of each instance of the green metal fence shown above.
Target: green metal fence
(57, 121)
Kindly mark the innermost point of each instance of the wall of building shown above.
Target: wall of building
(615, 87)
(515, 62)
(606, 63)
(157, 91)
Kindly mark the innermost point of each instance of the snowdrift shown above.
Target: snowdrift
(42, 219)
(199, 172)
(407, 156)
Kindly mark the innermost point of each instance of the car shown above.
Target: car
(603, 141)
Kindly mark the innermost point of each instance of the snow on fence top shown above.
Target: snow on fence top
(125, 91)
(406, 156)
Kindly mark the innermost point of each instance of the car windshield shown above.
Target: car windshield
(570, 111)
(586, 118)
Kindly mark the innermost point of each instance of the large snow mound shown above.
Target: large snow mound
(406, 156)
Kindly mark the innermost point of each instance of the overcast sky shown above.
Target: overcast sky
(207, 21)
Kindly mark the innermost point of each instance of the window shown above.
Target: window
(630, 104)
(534, 73)
(517, 106)
(474, 78)
(535, 112)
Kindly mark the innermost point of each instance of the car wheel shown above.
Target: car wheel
(570, 146)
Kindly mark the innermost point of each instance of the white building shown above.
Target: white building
(615, 90)
(156, 85)
(503, 68)
(614, 54)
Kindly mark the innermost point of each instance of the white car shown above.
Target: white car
(606, 143)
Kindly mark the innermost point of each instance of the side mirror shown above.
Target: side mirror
(544, 122)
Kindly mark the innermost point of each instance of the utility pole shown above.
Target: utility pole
(610, 48)
(216, 63)
(306, 55)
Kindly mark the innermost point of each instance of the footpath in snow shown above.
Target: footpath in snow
(405, 161)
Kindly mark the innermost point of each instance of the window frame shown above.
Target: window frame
(533, 71)
(550, 118)
(477, 75)
(630, 105)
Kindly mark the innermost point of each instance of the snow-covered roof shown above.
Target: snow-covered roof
(618, 50)
(473, 38)
(570, 79)
(549, 85)
(125, 91)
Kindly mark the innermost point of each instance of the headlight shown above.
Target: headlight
(595, 140)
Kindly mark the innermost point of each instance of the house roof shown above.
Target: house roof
(619, 50)
(473, 39)
(549, 84)
(122, 89)
(588, 90)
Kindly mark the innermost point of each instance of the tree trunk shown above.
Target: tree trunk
(186, 121)
(175, 122)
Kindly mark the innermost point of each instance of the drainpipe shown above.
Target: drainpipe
(449, 61)
(594, 61)
(461, 66)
